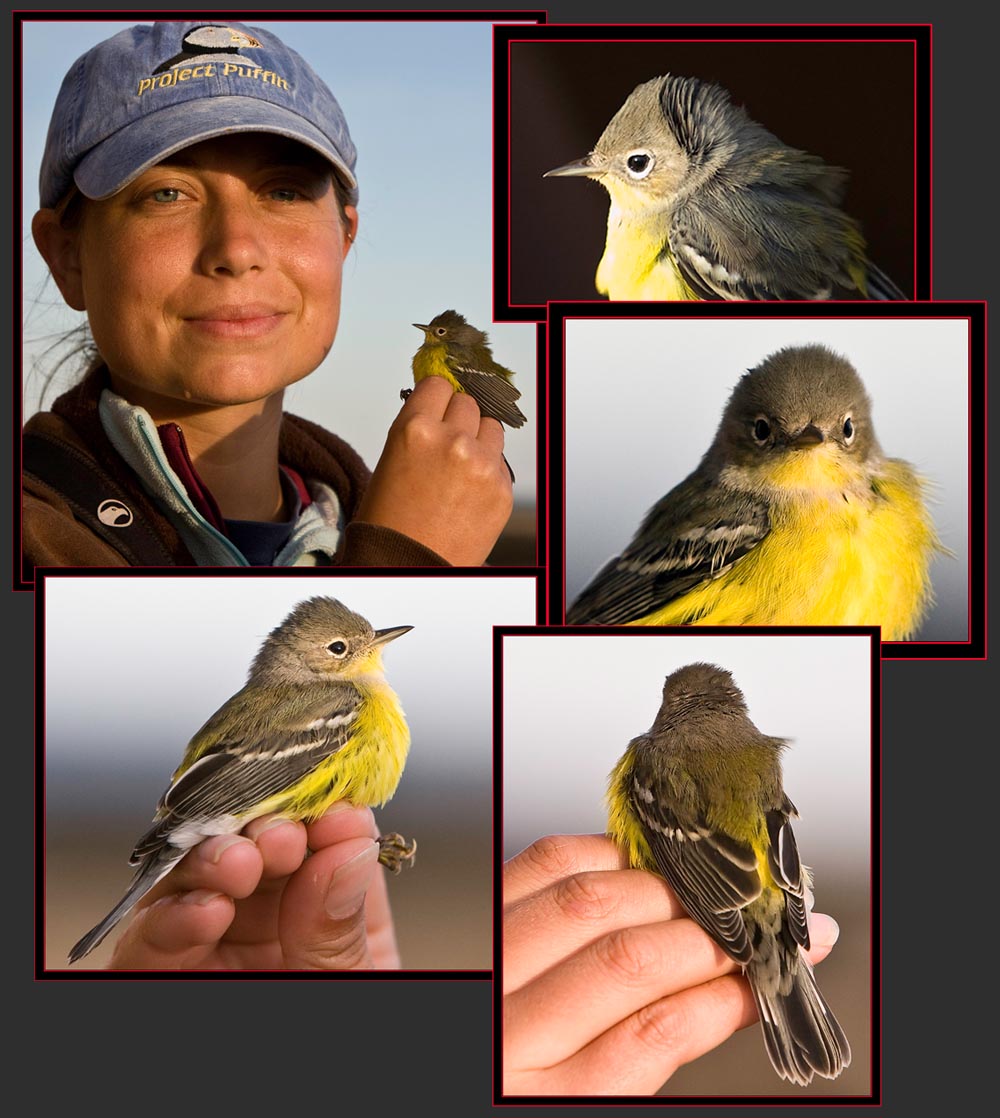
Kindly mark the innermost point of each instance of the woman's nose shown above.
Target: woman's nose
(233, 241)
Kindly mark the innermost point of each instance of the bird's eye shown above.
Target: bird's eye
(337, 649)
(848, 431)
(761, 429)
(441, 331)
(639, 163)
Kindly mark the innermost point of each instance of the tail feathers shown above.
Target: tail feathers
(879, 286)
(801, 1034)
(152, 871)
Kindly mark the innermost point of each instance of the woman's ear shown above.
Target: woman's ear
(350, 228)
(60, 250)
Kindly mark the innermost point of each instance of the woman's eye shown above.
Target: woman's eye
(166, 194)
(285, 194)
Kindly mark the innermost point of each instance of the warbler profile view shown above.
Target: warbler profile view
(316, 723)
(793, 517)
(707, 204)
(698, 799)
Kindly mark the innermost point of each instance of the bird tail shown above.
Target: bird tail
(801, 1034)
(879, 286)
(152, 870)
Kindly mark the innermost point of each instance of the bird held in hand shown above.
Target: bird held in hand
(316, 723)
(698, 799)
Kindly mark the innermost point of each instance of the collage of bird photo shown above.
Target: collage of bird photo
(478, 523)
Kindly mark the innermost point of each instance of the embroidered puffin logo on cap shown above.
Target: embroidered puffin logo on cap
(213, 40)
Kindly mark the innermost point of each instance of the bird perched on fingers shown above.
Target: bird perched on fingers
(461, 354)
(707, 204)
(698, 799)
(315, 723)
(793, 517)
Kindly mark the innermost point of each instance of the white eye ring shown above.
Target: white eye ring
(849, 430)
(639, 163)
(337, 649)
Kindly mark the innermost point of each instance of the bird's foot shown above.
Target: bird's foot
(395, 851)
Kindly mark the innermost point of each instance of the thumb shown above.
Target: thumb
(322, 921)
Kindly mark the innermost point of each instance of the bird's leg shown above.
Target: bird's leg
(395, 851)
(404, 393)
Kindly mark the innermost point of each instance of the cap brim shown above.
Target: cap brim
(113, 164)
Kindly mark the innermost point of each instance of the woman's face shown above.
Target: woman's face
(214, 278)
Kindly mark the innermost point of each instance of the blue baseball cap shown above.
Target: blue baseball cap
(149, 91)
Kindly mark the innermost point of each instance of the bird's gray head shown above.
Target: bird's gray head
(667, 130)
(451, 327)
(701, 684)
(797, 398)
(321, 638)
(698, 690)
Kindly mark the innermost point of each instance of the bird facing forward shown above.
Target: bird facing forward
(793, 517)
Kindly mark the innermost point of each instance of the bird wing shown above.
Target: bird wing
(776, 248)
(786, 869)
(696, 532)
(713, 874)
(489, 387)
(235, 774)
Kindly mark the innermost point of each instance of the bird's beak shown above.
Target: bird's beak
(584, 166)
(419, 325)
(807, 437)
(383, 636)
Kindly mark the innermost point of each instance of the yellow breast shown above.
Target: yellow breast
(834, 559)
(635, 264)
(429, 361)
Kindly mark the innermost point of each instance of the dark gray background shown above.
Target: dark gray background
(291, 1044)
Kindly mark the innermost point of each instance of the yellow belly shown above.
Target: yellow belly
(857, 560)
(366, 770)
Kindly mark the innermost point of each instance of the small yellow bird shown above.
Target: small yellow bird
(698, 799)
(707, 204)
(315, 723)
(793, 517)
(461, 354)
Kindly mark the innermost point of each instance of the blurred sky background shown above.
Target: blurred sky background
(680, 374)
(571, 704)
(418, 101)
(135, 665)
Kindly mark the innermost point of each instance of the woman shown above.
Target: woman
(198, 202)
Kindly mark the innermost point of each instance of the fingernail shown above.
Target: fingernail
(339, 806)
(350, 883)
(213, 849)
(198, 896)
(824, 931)
(256, 829)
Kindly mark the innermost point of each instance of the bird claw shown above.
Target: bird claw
(404, 393)
(395, 851)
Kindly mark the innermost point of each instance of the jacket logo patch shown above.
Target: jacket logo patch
(114, 513)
